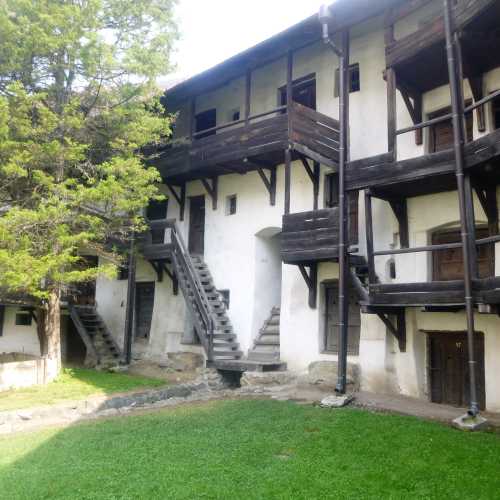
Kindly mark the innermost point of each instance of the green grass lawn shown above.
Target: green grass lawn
(251, 450)
(73, 384)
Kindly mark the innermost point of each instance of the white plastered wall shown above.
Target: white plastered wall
(15, 338)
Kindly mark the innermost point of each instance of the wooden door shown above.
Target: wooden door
(449, 264)
(144, 304)
(197, 225)
(332, 320)
(449, 369)
(206, 120)
(303, 92)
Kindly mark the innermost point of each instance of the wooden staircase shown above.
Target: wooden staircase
(204, 302)
(267, 345)
(102, 350)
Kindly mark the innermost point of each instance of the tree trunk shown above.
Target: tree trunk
(52, 328)
(41, 315)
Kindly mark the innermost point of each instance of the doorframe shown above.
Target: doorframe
(428, 370)
(190, 221)
(136, 315)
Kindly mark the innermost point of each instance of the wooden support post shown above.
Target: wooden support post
(398, 329)
(400, 209)
(173, 277)
(414, 109)
(311, 280)
(130, 306)
(471, 224)
(192, 118)
(289, 80)
(317, 176)
(369, 238)
(391, 112)
(157, 266)
(288, 179)
(390, 77)
(211, 186)
(248, 93)
(314, 175)
(180, 198)
(270, 183)
(2, 316)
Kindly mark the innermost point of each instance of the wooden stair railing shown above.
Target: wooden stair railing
(192, 289)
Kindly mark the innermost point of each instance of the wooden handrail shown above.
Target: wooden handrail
(279, 109)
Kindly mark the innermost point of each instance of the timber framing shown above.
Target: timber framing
(310, 275)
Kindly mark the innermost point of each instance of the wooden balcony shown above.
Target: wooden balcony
(310, 237)
(436, 294)
(258, 142)
(420, 57)
(426, 174)
(155, 244)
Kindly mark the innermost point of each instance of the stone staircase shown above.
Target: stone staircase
(102, 350)
(267, 345)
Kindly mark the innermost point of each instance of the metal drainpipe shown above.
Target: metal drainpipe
(129, 313)
(458, 138)
(343, 300)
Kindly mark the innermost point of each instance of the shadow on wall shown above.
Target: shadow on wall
(267, 283)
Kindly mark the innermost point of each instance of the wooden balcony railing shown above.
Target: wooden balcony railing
(263, 136)
(310, 236)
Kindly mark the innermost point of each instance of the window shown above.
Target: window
(158, 236)
(303, 92)
(23, 318)
(234, 115)
(331, 190)
(122, 273)
(2, 314)
(157, 210)
(331, 334)
(441, 134)
(231, 204)
(354, 80)
(449, 264)
(205, 121)
(495, 105)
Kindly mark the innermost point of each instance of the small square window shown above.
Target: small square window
(331, 190)
(158, 236)
(23, 319)
(122, 273)
(354, 80)
(235, 115)
(231, 205)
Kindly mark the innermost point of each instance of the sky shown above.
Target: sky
(213, 30)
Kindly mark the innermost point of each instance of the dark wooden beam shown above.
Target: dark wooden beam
(476, 85)
(415, 111)
(180, 197)
(390, 76)
(398, 329)
(311, 280)
(173, 276)
(211, 186)
(158, 268)
(369, 237)
(2, 316)
(400, 209)
(314, 175)
(130, 307)
(192, 117)
(270, 183)
(488, 199)
(248, 93)
(317, 177)
(288, 179)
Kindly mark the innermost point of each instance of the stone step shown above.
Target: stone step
(224, 336)
(271, 330)
(263, 356)
(268, 341)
